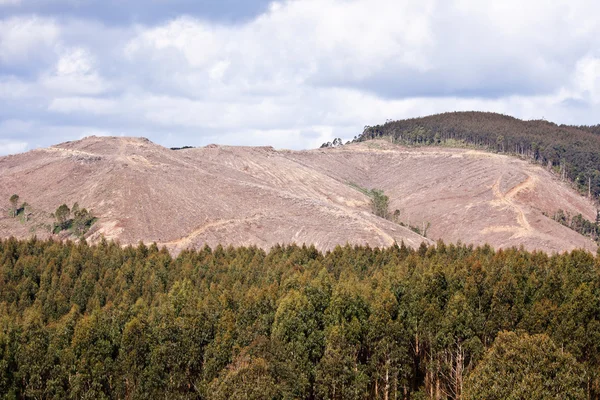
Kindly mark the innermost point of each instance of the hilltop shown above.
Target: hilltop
(140, 191)
(573, 152)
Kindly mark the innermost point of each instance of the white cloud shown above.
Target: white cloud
(11, 88)
(393, 48)
(586, 78)
(307, 71)
(74, 73)
(11, 147)
(84, 104)
(294, 42)
(22, 38)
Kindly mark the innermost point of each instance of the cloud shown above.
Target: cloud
(83, 104)
(299, 72)
(586, 79)
(293, 43)
(11, 147)
(25, 39)
(74, 73)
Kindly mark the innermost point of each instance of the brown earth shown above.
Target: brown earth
(260, 196)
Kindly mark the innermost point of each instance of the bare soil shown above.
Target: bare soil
(259, 196)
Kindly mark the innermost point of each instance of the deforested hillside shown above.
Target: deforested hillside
(140, 191)
(573, 152)
(134, 190)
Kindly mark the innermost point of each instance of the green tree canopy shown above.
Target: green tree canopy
(520, 366)
(62, 214)
(380, 203)
(14, 201)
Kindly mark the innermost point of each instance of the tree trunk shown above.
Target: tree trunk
(429, 383)
(386, 391)
(459, 372)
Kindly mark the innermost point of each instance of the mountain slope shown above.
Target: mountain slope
(468, 195)
(259, 196)
(573, 151)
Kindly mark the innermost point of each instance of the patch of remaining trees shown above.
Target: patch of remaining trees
(75, 220)
(17, 210)
(578, 223)
(380, 206)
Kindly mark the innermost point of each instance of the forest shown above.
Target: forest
(573, 152)
(444, 321)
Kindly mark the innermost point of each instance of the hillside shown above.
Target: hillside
(572, 151)
(260, 196)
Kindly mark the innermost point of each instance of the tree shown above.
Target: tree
(245, 378)
(379, 203)
(62, 214)
(337, 142)
(82, 220)
(296, 328)
(75, 209)
(26, 210)
(339, 375)
(500, 142)
(14, 200)
(520, 366)
(388, 347)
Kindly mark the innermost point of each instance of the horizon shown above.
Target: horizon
(234, 72)
(268, 145)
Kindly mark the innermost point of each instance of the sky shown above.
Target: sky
(290, 74)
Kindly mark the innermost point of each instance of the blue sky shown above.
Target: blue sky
(291, 74)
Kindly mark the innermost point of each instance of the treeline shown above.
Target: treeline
(571, 151)
(579, 224)
(182, 148)
(439, 322)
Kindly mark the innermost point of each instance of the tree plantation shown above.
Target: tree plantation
(440, 322)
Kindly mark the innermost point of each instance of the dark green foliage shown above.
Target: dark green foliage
(106, 321)
(380, 203)
(380, 207)
(526, 367)
(62, 215)
(337, 142)
(182, 148)
(573, 152)
(80, 223)
(14, 201)
(579, 224)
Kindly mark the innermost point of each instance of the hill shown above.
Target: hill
(140, 191)
(571, 151)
